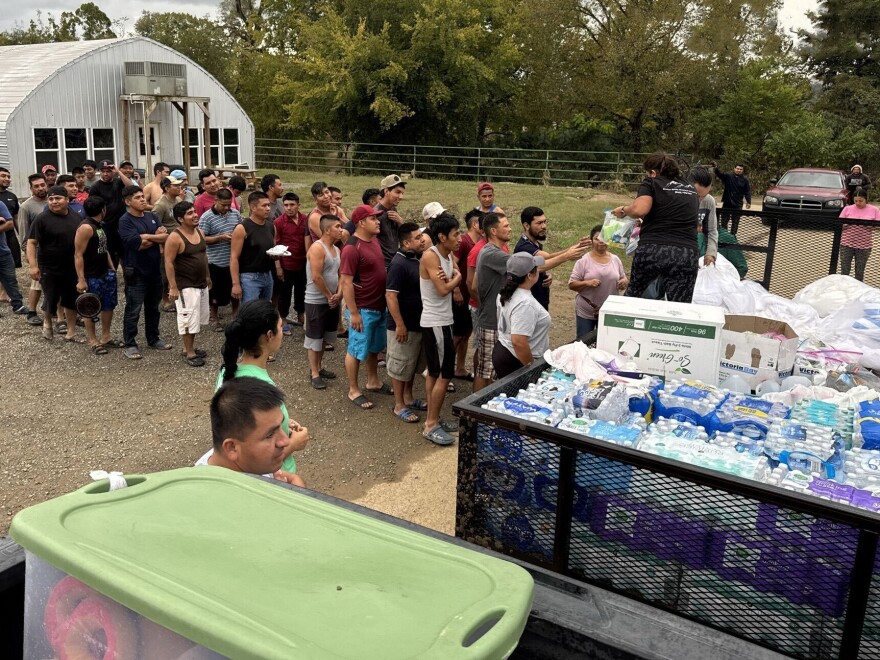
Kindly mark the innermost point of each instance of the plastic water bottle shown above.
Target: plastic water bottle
(624, 435)
(746, 415)
(866, 431)
(689, 401)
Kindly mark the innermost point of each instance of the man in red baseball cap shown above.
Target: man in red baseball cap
(51, 174)
(486, 196)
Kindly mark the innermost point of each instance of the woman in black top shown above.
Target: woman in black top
(667, 258)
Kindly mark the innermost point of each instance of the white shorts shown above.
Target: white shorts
(192, 310)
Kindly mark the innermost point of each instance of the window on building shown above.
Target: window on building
(76, 147)
(231, 154)
(103, 144)
(215, 147)
(46, 147)
(195, 147)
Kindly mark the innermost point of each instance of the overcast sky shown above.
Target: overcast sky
(793, 14)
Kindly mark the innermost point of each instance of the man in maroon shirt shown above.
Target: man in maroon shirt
(210, 185)
(362, 277)
(291, 229)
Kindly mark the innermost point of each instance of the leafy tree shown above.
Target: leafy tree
(86, 23)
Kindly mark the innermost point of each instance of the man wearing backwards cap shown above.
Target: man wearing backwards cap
(486, 196)
(392, 187)
(51, 174)
(856, 179)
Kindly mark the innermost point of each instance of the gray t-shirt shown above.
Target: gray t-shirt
(491, 273)
(523, 315)
(27, 213)
(709, 222)
(332, 259)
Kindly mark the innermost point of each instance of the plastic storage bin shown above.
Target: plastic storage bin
(203, 561)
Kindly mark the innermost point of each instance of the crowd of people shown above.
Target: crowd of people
(410, 297)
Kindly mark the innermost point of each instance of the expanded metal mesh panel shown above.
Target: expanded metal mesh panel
(780, 576)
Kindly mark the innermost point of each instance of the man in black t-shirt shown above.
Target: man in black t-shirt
(50, 250)
(95, 272)
(109, 187)
(12, 240)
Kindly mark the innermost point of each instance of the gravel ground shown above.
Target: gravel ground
(69, 412)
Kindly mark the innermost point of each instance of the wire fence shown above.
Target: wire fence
(607, 169)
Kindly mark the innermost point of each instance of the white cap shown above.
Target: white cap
(432, 210)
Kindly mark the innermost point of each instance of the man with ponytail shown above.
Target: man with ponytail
(250, 338)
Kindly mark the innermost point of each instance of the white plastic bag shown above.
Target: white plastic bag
(832, 293)
(720, 285)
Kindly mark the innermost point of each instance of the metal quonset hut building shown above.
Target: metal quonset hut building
(63, 103)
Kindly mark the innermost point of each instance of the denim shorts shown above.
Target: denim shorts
(106, 288)
(371, 339)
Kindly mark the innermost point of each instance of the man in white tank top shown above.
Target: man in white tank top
(438, 278)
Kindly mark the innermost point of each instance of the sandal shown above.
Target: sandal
(168, 308)
(132, 353)
(195, 361)
(438, 436)
(385, 389)
(449, 425)
(114, 343)
(406, 415)
(271, 358)
(99, 349)
(468, 377)
(318, 383)
(285, 330)
(160, 346)
(450, 387)
(329, 348)
(200, 352)
(216, 326)
(418, 404)
(342, 335)
(48, 333)
(362, 402)
(75, 340)
(328, 375)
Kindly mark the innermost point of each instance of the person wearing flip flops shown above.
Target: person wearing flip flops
(250, 339)
(439, 277)
(363, 278)
(186, 267)
(217, 224)
(404, 357)
(50, 250)
(95, 272)
(142, 235)
(322, 298)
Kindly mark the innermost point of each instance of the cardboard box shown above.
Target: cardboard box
(663, 338)
(745, 353)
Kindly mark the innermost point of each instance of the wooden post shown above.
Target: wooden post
(186, 154)
(126, 137)
(208, 163)
(148, 110)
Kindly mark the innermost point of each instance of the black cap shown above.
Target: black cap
(105, 163)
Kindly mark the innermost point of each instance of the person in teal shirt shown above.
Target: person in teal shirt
(251, 338)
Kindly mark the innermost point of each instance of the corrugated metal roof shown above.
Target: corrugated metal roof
(25, 68)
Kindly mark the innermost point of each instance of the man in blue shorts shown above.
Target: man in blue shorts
(95, 272)
(362, 277)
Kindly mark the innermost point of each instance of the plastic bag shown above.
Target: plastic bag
(617, 230)
(832, 293)
(720, 285)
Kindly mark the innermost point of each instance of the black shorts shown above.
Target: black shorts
(439, 351)
(504, 361)
(221, 285)
(59, 288)
(462, 323)
(320, 319)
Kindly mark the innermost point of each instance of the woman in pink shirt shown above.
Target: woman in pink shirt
(856, 240)
(596, 275)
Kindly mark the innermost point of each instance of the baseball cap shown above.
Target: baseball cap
(49, 168)
(178, 174)
(126, 162)
(485, 186)
(172, 180)
(363, 211)
(522, 263)
(432, 210)
(105, 164)
(392, 181)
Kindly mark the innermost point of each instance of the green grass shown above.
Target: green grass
(571, 212)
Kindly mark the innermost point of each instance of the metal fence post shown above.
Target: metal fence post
(835, 248)
(414, 162)
(860, 587)
(479, 158)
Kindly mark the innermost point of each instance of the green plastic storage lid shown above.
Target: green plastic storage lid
(251, 570)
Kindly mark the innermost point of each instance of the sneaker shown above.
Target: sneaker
(21, 310)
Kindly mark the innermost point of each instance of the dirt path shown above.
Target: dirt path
(68, 412)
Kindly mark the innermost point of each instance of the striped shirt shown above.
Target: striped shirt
(213, 224)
